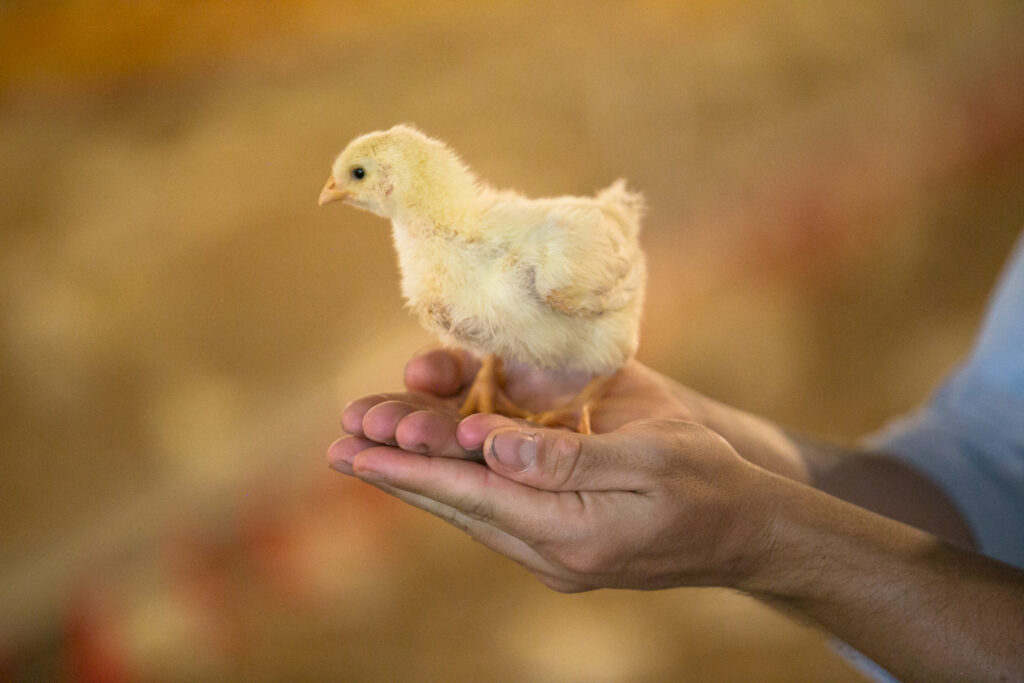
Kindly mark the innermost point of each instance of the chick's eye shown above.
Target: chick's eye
(358, 173)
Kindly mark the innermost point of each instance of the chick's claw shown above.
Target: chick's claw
(505, 406)
(487, 393)
(577, 412)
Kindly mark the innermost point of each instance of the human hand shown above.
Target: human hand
(425, 420)
(653, 504)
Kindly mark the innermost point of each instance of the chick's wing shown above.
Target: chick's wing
(586, 260)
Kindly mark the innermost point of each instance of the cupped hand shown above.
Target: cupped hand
(651, 499)
(653, 504)
(426, 418)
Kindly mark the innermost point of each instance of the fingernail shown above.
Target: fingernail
(515, 450)
(341, 466)
(367, 473)
(343, 451)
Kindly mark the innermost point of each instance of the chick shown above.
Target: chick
(556, 284)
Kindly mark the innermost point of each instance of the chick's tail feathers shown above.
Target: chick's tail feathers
(629, 206)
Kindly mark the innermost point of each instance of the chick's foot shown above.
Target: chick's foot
(487, 393)
(576, 413)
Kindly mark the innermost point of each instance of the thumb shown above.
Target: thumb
(558, 460)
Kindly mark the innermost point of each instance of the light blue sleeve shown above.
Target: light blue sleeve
(969, 439)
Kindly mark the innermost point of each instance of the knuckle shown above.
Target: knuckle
(563, 460)
(671, 429)
(668, 438)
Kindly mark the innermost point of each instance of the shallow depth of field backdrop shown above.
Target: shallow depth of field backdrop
(832, 189)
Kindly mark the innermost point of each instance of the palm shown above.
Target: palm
(426, 419)
(635, 393)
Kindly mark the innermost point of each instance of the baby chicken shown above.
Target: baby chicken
(556, 284)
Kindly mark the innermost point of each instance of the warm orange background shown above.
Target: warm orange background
(833, 187)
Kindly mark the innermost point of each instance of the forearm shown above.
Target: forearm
(918, 606)
(882, 484)
(871, 480)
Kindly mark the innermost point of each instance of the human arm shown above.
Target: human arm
(660, 503)
(862, 476)
(923, 608)
(876, 481)
(920, 607)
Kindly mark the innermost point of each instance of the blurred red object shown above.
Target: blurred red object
(93, 651)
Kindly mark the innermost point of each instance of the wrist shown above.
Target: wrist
(759, 441)
(821, 549)
(746, 554)
(798, 547)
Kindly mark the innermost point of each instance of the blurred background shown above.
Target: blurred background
(832, 187)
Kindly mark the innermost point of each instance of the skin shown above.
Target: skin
(674, 489)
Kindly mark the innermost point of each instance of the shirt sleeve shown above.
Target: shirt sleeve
(969, 438)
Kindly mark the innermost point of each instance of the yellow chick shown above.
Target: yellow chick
(556, 283)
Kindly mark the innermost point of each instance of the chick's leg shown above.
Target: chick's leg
(487, 393)
(481, 393)
(579, 408)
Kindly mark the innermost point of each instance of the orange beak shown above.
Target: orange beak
(331, 193)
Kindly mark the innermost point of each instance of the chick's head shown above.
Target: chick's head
(396, 171)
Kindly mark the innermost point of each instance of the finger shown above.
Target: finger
(491, 536)
(442, 372)
(342, 452)
(469, 487)
(473, 430)
(559, 460)
(432, 433)
(352, 415)
(381, 420)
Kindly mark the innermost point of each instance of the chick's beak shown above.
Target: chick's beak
(331, 193)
